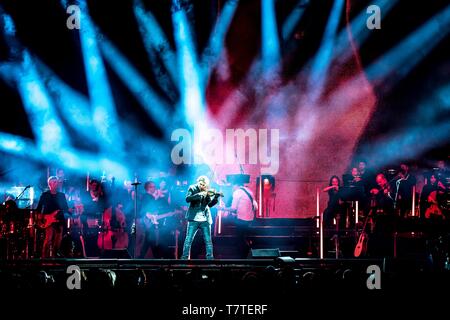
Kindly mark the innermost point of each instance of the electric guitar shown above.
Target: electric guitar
(361, 246)
(153, 218)
(231, 210)
(228, 212)
(46, 220)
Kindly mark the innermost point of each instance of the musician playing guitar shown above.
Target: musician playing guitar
(147, 230)
(245, 207)
(52, 205)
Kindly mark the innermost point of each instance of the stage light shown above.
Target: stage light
(156, 108)
(155, 42)
(399, 61)
(324, 55)
(215, 45)
(104, 111)
(265, 195)
(293, 19)
(45, 123)
(191, 87)
(270, 46)
(342, 49)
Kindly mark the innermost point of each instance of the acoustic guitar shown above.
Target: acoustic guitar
(361, 245)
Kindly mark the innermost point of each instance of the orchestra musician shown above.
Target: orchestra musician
(147, 230)
(334, 207)
(383, 198)
(200, 201)
(429, 198)
(52, 205)
(93, 207)
(384, 195)
(404, 190)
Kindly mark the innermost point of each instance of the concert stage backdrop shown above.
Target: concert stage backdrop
(296, 90)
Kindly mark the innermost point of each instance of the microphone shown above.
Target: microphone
(136, 182)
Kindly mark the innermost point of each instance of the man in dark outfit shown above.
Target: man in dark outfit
(199, 215)
(52, 202)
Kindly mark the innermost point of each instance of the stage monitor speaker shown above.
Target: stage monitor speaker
(116, 254)
(264, 253)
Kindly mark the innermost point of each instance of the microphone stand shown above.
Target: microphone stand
(28, 235)
(135, 184)
(21, 194)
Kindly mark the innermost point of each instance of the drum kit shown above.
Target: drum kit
(16, 231)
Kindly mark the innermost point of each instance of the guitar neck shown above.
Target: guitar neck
(164, 215)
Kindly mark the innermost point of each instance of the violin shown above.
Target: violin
(213, 192)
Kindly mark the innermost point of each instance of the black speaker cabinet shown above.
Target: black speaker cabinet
(264, 253)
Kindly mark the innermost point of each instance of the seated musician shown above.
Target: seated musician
(334, 207)
(384, 195)
(354, 190)
(404, 190)
(52, 204)
(384, 226)
(430, 196)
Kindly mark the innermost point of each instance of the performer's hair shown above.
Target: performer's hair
(52, 178)
(205, 179)
(148, 183)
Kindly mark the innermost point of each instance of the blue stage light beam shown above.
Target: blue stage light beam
(214, 49)
(342, 50)
(407, 144)
(87, 162)
(16, 145)
(270, 44)
(435, 108)
(156, 43)
(67, 157)
(8, 70)
(323, 57)
(399, 61)
(75, 107)
(293, 19)
(104, 111)
(417, 138)
(191, 87)
(45, 123)
(154, 105)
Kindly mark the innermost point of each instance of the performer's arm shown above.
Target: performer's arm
(40, 205)
(214, 201)
(191, 196)
(64, 206)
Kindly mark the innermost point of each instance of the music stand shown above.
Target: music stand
(135, 184)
